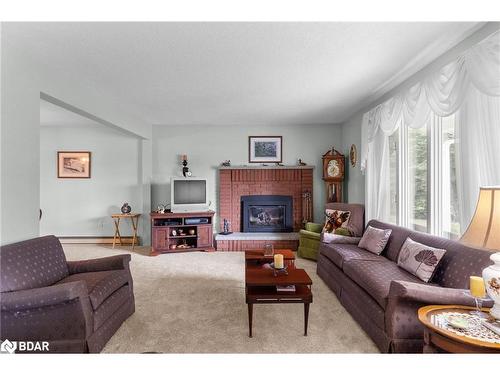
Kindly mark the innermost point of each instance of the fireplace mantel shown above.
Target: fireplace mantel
(266, 167)
(238, 181)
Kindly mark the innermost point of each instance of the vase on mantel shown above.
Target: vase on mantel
(491, 276)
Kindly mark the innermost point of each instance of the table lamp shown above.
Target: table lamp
(484, 232)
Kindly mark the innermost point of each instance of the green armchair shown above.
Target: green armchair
(309, 239)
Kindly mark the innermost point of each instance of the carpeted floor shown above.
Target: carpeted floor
(195, 303)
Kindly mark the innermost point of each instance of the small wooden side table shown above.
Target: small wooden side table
(438, 339)
(134, 218)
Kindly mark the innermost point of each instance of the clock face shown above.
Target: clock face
(333, 168)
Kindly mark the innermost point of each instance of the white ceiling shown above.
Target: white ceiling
(240, 73)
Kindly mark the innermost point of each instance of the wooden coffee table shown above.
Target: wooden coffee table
(260, 284)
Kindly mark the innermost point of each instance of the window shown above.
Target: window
(417, 183)
(423, 177)
(393, 177)
(449, 193)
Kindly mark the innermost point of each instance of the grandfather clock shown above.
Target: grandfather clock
(333, 175)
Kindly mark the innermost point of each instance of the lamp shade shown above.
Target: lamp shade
(484, 229)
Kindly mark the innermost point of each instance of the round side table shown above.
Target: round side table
(438, 339)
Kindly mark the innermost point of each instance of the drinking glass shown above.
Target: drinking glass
(478, 292)
(268, 250)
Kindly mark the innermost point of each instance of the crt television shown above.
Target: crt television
(188, 194)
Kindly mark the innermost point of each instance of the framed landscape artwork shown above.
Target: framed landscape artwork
(264, 149)
(73, 164)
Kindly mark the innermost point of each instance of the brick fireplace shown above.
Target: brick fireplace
(238, 182)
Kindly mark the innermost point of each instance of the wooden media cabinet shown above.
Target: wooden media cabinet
(181, 232)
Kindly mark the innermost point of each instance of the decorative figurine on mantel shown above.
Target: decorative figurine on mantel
(279, 164)
(226, 163)
(225, 228)
(300, 163)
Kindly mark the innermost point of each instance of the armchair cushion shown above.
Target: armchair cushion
(117, 262)
(100, 285)
(34, 263)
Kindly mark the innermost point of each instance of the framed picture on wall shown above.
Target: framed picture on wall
(265, 149)
(73, 164)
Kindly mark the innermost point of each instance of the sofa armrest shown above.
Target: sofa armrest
(311, 235)
(405, 298)
(430, 294)
(313, 227)
(117, 262)
(41, 297)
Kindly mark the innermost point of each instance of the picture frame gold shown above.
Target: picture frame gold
(73, 164)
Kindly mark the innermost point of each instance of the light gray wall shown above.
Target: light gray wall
(23, 81)
(82, 207)
(19, 170)
(208, 146)
(355, 180)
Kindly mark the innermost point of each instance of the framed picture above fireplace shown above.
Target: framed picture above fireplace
(265, 149)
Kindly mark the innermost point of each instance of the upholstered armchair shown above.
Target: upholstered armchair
(74, 305)
(310, 237)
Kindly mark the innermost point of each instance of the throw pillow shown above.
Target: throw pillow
(338, 238)
(335, 219)
(374, 239)
(419, 259)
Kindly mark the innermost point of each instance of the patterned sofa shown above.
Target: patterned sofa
(383, 298)
(74, 305)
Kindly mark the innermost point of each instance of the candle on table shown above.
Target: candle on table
(477, 288)
(278, 261)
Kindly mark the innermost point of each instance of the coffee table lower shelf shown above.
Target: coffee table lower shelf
(268, 294)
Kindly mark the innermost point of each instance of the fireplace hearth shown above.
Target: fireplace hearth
(267, 213)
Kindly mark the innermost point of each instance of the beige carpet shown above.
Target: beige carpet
(195, 303)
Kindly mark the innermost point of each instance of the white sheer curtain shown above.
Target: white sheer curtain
(478, 131)
(468, 85)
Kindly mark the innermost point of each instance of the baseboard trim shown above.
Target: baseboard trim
(95, 240)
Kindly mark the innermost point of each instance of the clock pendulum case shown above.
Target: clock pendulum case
(333, 175)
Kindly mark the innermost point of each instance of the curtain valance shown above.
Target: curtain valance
(442, 92)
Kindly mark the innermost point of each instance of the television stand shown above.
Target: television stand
(181, 232)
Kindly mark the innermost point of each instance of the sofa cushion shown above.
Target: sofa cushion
(340, 253)
(396, 240)
(420, 260)
(30, 264)
(100, 285)
(375, 277)
(357, 219)
(338, 238)
(374, 239)
(335, 219)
